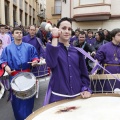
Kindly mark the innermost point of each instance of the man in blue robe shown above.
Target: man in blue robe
(69, 73)
(14, 59)
(109, 56)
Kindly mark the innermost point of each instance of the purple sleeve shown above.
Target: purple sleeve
(51, 55)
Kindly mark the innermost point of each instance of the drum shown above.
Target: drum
(5, 80)
(1, 90)
(24, 85)
(104, 83)
(41, 70)
(98, 107)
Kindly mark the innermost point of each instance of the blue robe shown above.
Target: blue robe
(69, 72)
(109, 56)
(17, 56)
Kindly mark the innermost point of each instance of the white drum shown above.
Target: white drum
(41, 70)
(24, 85)
(98, 107)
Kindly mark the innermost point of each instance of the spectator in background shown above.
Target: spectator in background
(4, 37)
(1, 48)
(107, 35)
(75, 37)
(90, 39)
(100, 40)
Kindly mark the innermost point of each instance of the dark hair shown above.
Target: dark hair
(16, 28)
(101, 35)
(1, 41)
(82, 32)
(114, 32)
(90, 31)
(33, 26)
(77, 30)
(63, 19)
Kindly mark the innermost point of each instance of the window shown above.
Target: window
(57, 6)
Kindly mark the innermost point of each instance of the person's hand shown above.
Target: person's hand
(34, 63)
(93, 53)
(8, 70)
(85, 94)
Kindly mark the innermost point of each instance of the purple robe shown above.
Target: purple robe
(74, 38)
(69, 72)
(108, 55)
(90, 41)
(39, 71)
(33, 41)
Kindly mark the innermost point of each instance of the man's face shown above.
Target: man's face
(90, 35)
(17, 35)
(32, 31)
(117, 37)
(2, 29)
(66, 29)
(81, 38)
(77, 33)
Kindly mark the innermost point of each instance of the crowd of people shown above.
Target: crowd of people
(70, 68)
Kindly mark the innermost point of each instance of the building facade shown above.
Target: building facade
(53, 10)
(92, 14)
(22, 12)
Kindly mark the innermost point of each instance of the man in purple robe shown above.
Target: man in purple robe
(31, 38)
(109, 56)
(69, 72)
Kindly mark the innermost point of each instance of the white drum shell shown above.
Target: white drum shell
(24, 88)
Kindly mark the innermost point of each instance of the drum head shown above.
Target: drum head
(98, 107)
(23, 81)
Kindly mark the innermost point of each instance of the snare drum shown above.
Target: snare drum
(5, 80)
(98, 107)
(41, 70)
(24, 85)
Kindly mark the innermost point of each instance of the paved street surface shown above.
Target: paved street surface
(6, 112)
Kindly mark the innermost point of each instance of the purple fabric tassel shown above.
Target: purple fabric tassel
(47, 96)
(97, 64)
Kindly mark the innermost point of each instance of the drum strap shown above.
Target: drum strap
(93, 60)
(62, 95)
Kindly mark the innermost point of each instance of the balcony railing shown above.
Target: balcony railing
(42, 15)
(56, 10)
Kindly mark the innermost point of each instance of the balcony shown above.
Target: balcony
(41, 15)
(92, 12)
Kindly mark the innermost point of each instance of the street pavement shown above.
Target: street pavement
(6, 112)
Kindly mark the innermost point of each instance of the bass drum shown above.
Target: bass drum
(98, 107)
